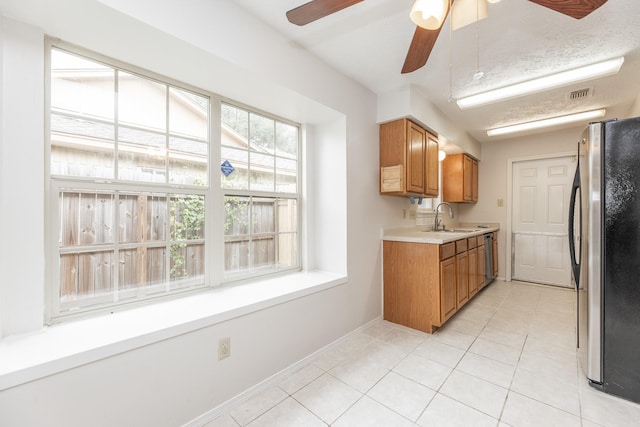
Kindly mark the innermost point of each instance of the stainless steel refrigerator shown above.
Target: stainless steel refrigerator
(604, 239)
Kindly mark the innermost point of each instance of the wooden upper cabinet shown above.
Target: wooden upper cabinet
(431, 174)
(416, 150)
(408, 159)
(460, 179)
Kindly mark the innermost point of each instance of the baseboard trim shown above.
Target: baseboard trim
(269, 382)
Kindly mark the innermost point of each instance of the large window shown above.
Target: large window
(131, 180)
(129, 167)
(260, 184)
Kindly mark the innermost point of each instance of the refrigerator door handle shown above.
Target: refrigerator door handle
(575, 266)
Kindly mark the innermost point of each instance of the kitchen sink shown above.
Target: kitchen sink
(454, 230)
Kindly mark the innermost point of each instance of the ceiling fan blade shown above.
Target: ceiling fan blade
(577, 9)
(316, 9)
(421, 46)
(420, 49)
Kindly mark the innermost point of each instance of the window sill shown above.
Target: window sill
(57, 348)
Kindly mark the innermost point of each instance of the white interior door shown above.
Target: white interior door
(541, 191)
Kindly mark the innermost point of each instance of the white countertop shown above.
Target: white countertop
(426, 235)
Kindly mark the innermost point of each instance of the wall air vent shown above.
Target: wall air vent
(579, 94)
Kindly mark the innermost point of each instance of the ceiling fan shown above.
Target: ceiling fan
(424, 39)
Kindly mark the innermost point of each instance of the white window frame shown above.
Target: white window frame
(241, 276)
(214, 196)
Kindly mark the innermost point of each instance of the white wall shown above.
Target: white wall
(493, 177)
(21, 179)
(176, 380)
(410, 102)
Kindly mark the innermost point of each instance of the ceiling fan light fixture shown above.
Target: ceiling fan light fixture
(429, 14)
(552, 121)
(576, 75)
(465, 12)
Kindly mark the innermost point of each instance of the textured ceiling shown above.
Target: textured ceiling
(519, 40)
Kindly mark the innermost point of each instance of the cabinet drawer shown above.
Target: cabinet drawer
(461, 245)
(391, 179)
(447, 250)
(472, 242)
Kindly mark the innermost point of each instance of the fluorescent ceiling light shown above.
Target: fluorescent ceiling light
(564, 78)
(554, 121)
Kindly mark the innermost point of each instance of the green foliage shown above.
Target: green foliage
(187, 223)
(236, 215)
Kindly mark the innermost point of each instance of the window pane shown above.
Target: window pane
(287, 250)
(187, 262)
(235, 126)
(263, 216)
(262, 133)
(141, 156)
(263, 250)
(287, 215)
(142, 218)
(236, 215)
(86, 218)
(141, 269)
(85, 275)
(188, 114)
(187, 217)
(81, 86)
(238, 179)
(188, 160)
(286, 140)
(262, 168)
(286, 176)
(236, 254)
(142, 102)
(81, 148)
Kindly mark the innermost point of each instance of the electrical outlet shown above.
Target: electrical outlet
(224, 348)
(404, 214)
(500, 203)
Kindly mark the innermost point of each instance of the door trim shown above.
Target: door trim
(509, 239)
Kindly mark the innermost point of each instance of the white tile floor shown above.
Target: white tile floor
(506, 359)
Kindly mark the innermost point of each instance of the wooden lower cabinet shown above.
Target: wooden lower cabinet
(426, 284)
(409, 283)
(462, 278)
(481, 265)
(448, 284)
(473, 272)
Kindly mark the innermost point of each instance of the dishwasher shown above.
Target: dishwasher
(488, 258)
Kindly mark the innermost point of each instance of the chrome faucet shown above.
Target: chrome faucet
(436, 224)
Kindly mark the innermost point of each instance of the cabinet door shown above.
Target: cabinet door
(447, 288)
(467, 179)
(460, 179)
(474, 181)
(481, 265)
(432, 162)
(462, 278)
(473, 271)
(416, 152)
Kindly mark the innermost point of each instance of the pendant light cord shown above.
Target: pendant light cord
(450, 53)
(478, 74)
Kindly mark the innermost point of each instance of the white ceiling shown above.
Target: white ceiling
(518, 41)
